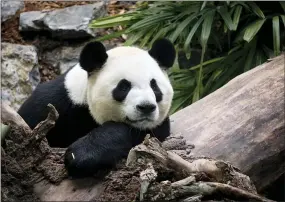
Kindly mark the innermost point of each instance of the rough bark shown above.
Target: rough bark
(26, 157)
(242, 122)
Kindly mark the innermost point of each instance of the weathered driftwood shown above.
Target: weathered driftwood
(242, 122)
(228, 182)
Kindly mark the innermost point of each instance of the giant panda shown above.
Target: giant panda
(107, 103)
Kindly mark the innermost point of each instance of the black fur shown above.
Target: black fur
(122, 89)
(104, 146)
(93, 56)
(73, 122)
(157, 92)
(164, 52)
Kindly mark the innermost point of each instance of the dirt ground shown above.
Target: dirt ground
(122, 184)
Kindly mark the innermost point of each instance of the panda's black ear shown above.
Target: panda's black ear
(93, 56)
(163, 52)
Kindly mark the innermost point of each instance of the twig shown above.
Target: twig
(12, 118)
(210, 188)
(43, 127)
(196, 198)
(146, 177)
(153, 147)
(4, 131)
(184, 182)
(197, 165)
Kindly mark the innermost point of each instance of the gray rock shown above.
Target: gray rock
(66, 57)
(68, 23)
(63, 57)
(32, 20)
(20, 73)
(9, 8)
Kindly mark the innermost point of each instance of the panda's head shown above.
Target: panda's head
(128, 84)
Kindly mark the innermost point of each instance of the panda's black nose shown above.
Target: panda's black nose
(146, 108)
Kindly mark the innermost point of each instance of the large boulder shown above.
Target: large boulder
(67, 23)
(9, 8)
(19, 73)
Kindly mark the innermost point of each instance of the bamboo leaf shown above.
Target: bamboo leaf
(207, 27)
(236, 17)
(276, 35)
(146, 38)
(282, 3)
(162, 32)
(214, 60)
(226, 17)
(192, 32)
(243, 4)
(252, 30)
(269, 53)
(196, 94)
(151, 21)
(134, 38)
(239, 36)
(178, 103)
(182, 26)
(250, 55)
(283, 19)
(206, 30)
(225, 28)
(203, 5)
(213, 77)
(228, 72)
(111, 21)
(234, 49)
(111, 36)
(254, 7)
(260, 58)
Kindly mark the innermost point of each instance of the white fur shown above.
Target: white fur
(76, 82)
(138, 67)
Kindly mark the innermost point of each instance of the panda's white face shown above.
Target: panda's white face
(130, 87)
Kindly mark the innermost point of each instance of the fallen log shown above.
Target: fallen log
(241, 123)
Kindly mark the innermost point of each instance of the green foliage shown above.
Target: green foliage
(233, 37)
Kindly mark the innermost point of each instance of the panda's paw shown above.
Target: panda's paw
(73, 160)
(80, 158)
(69, 159)
(102, 148)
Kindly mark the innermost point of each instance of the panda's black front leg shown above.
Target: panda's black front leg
(162, 131)
(102, 148)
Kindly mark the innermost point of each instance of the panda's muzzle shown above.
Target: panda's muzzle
(146, 108)
(138, 120)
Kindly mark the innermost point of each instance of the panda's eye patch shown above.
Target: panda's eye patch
(122, 89)
(124, 85)
(156, 90)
